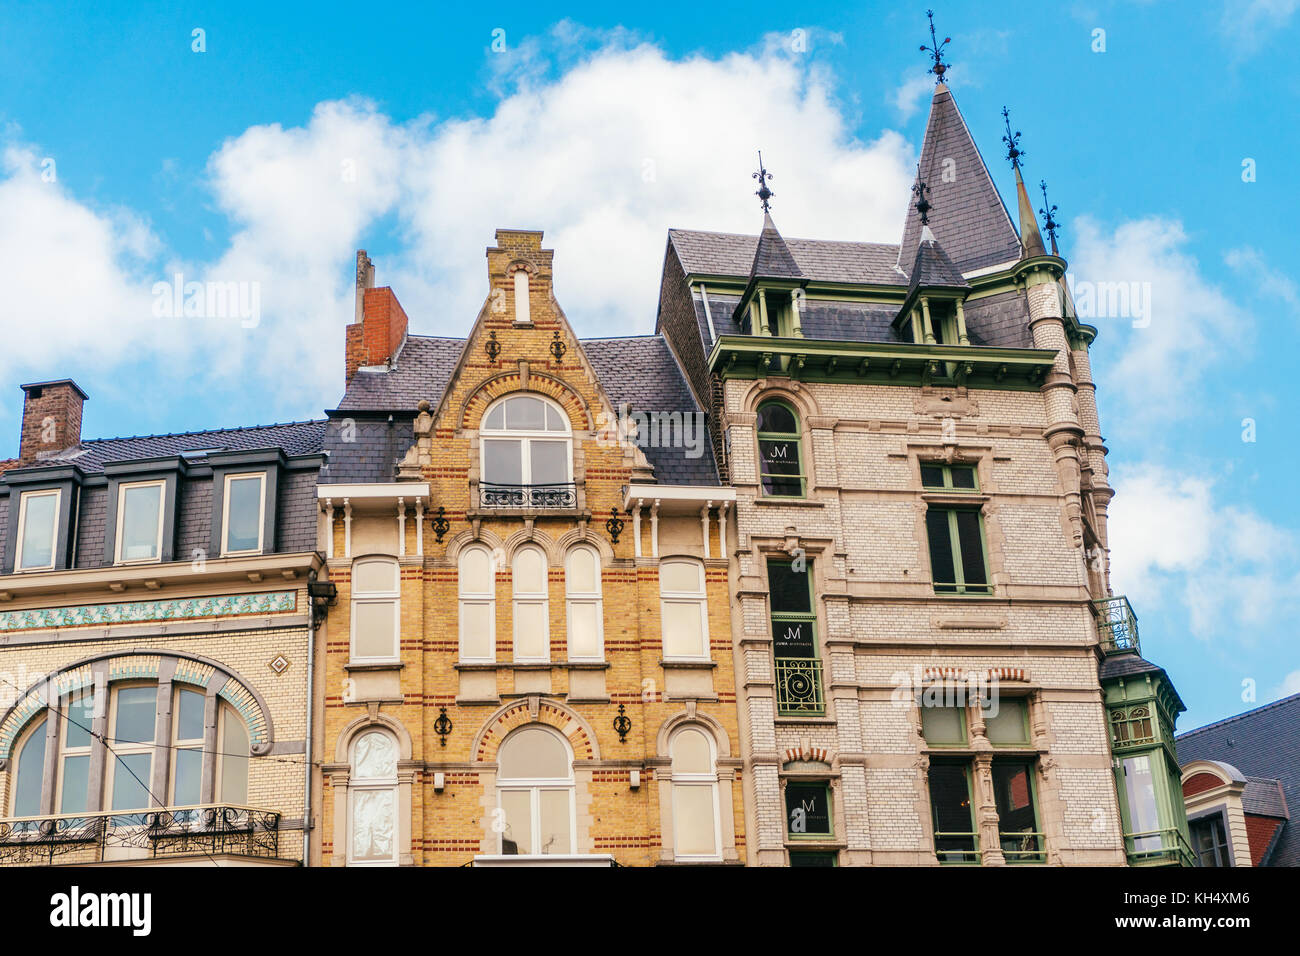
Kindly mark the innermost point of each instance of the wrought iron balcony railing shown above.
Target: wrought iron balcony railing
(1117, 625)
(560, 495)
(799, 687)
(1024, 846)
(1167, 847)
(142, 834)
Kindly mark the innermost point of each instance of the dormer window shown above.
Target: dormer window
(526, 455)
(245, 511)
(140, 521)
(38, 517)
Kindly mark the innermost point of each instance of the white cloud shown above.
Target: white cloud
(1290, 685)
(911, 93)
(1173, 541)
(1249, 24)
(1271, 284)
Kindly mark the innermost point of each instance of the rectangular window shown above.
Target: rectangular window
(943, 726)
(808, 809)
(794, 639)
(38, 516)
(683, 611)
(1013, 794)
(936, 476)
(376, 610)
(957, 551)
(812, 858)
(244, 513)
(1141, 809)
(955, 838)
(1210, 841)
(1006, 722)
(140, 521)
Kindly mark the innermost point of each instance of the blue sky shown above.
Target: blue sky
(303, 132)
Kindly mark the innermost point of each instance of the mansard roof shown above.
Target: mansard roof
(732, 254)
(932, 269)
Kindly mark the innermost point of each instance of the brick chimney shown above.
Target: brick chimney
(379, 326)
(51, 418)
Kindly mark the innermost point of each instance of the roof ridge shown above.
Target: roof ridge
(788, 239)
(615, 338)
(1290, 699)
(207, 431)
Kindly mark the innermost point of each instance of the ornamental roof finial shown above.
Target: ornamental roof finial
(935, 49)
(763, 193)
(1012, 140)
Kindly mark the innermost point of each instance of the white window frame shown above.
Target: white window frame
(260, 476)
(699, 598)
(573, 597)
(393, 597)
(358, 785)
(531, 599)
(121, 748)
(696, 780)
(121, 520)
(73, 709)
(533, 786)
(54, 528)
(225, 715)
(524, 436)
(469, 598)
(179, 743)
(523, 308)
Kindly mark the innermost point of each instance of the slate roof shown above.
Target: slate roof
(967, 214)
(772, 257)
(821, 260)
(1264, 744)
(1126, 664)
(296, 438)
(421, 369)
(932, 268)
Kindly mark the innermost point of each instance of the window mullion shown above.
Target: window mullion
(954, 543)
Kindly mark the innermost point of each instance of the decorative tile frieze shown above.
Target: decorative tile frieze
(140, 612)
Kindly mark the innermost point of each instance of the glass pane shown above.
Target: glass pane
(683, 635)
(950, 806)
(943, 725)
(234, 760)
(777, 419)
(779, 461)
(532, 632)
(76, 778)
(78, 718)
(691, 752)
(476, 572)
(31, 773)
(793, 639)
(554, 834)
(932, 476)
(496, 419)
(1140, 794)
(1013, 795)
(584, 630)
(789, 588)
(374, 814)
(529, 571)
(185, 785)
(189, 715)
(374, 757)
(502, 462)
(550, 462)
(131, 781)
(807, 808)
(243, 515)
(972, 549)
(533, 754)
(37, 548)
(375, 629)
(680, 576)
(371, 576)
(806, 858)
(517, 819)
(525, 414)
(942, 570)
(554, 420)
(963, 477)
(477, 642)
(1004, 721)
(580, 575)
(140, 516)
(137, 709)
(694, 831)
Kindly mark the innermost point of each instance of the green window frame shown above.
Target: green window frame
(998, 728)
(938, 718)
(938, 476)
(808, 810)
(1021, 843)
(814, 858)
(780, 451)
(795, 651)
(957, 551)
(952, 813)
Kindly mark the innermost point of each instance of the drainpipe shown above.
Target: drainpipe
(313, 624)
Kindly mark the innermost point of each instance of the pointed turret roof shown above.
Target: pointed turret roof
(932, 268)
(972, 224)
(772, 258)
(1031, 240)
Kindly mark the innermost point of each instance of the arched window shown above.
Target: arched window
(372, 792)
(532, 633)
(478, 605)
(584, 611)
(684, 621)
(535, 793)
(144, 762)
(695, 796)
(526, 454)
(780, 462)
(376, 610)
(523, 314)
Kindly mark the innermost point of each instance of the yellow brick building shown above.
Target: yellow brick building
(528, 660)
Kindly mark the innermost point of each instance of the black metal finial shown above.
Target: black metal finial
(1049, 220)
(763, 193)
(622, 723)
(1012, 140)
(922, 204)
(935, 49)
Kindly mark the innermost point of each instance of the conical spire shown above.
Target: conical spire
(772, 258)
(931, 267)
(1031, 240)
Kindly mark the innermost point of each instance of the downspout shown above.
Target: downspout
(313, 624)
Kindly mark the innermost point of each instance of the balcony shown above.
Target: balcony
(957, 847)
(160, 834)
(1167, 847)
(550, 497)
(1117, 625)
(799, 687)
(1023, 846)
